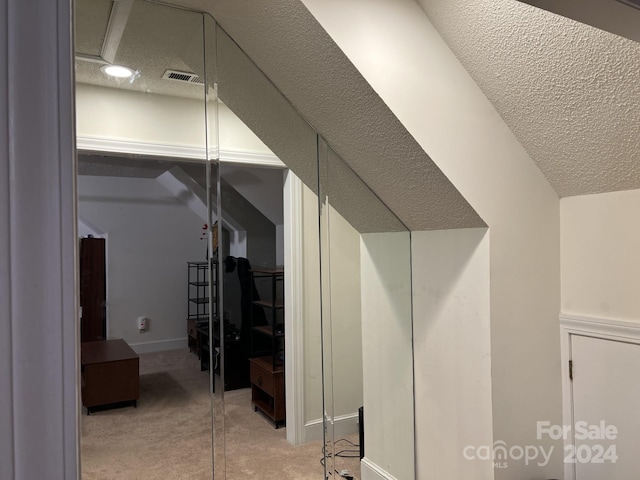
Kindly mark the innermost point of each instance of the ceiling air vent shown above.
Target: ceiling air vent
(631, 3)
(183, 77)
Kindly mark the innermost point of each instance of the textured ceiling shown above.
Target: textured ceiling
(91, 18)
(245, 89)
(295, 52)
(155, 38)
(569, 92)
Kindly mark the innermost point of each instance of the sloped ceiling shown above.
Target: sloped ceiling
(284, 39)
(569, 92)
(294, 51)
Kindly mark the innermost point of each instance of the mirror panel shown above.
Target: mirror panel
(251, 96)
(165, 168)
(216, 351)
(267, 191)
(143, 182)
(366, 327)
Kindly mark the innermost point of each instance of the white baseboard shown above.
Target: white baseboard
(371, 471)
(342, 425)
(159, 345)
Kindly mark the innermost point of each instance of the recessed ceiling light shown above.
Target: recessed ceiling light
(117, 71)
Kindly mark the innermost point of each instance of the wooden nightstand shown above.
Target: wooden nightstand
(110, 373)
(267, 389)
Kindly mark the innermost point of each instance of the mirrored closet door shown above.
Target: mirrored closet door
(366, 328)
(260, 288)
(144, 183)
(272, 408)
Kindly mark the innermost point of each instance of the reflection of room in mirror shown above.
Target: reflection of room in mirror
(229, 339)
(142, 183)
(367, 325)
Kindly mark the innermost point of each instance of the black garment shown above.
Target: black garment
(248, 294)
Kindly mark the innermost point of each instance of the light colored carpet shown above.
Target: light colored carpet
(257, 450)
(168, 437)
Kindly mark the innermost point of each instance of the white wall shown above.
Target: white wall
(261, 186)
(109, 113)
(600, 235)
(452, 345)
(423, 83)
(235, 136)
(345, 315)
(311, 319)
(387, 354)
(345, 331)
(151, 236)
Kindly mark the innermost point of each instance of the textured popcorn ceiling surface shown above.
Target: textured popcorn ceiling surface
(295, 52)
(155, 39)
(569, 92)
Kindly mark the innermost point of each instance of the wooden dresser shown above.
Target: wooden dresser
(110, 374)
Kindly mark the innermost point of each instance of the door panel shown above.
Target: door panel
(93, 289)
(606, 392)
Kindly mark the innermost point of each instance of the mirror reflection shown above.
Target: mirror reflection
(366, 328)
(273, 422)
(142, 205)
(257, 289)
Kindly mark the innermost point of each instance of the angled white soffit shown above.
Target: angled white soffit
(569, 92)
(294, 51)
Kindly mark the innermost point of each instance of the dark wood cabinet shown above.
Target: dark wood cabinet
(93, 289)
(110, 374)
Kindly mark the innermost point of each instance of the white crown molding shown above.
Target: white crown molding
(96, 144)
(600, 327)
(249, 158)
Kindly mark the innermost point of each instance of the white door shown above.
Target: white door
(606, 409)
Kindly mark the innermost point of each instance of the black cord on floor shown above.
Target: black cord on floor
(344, 453)
(348, 441)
